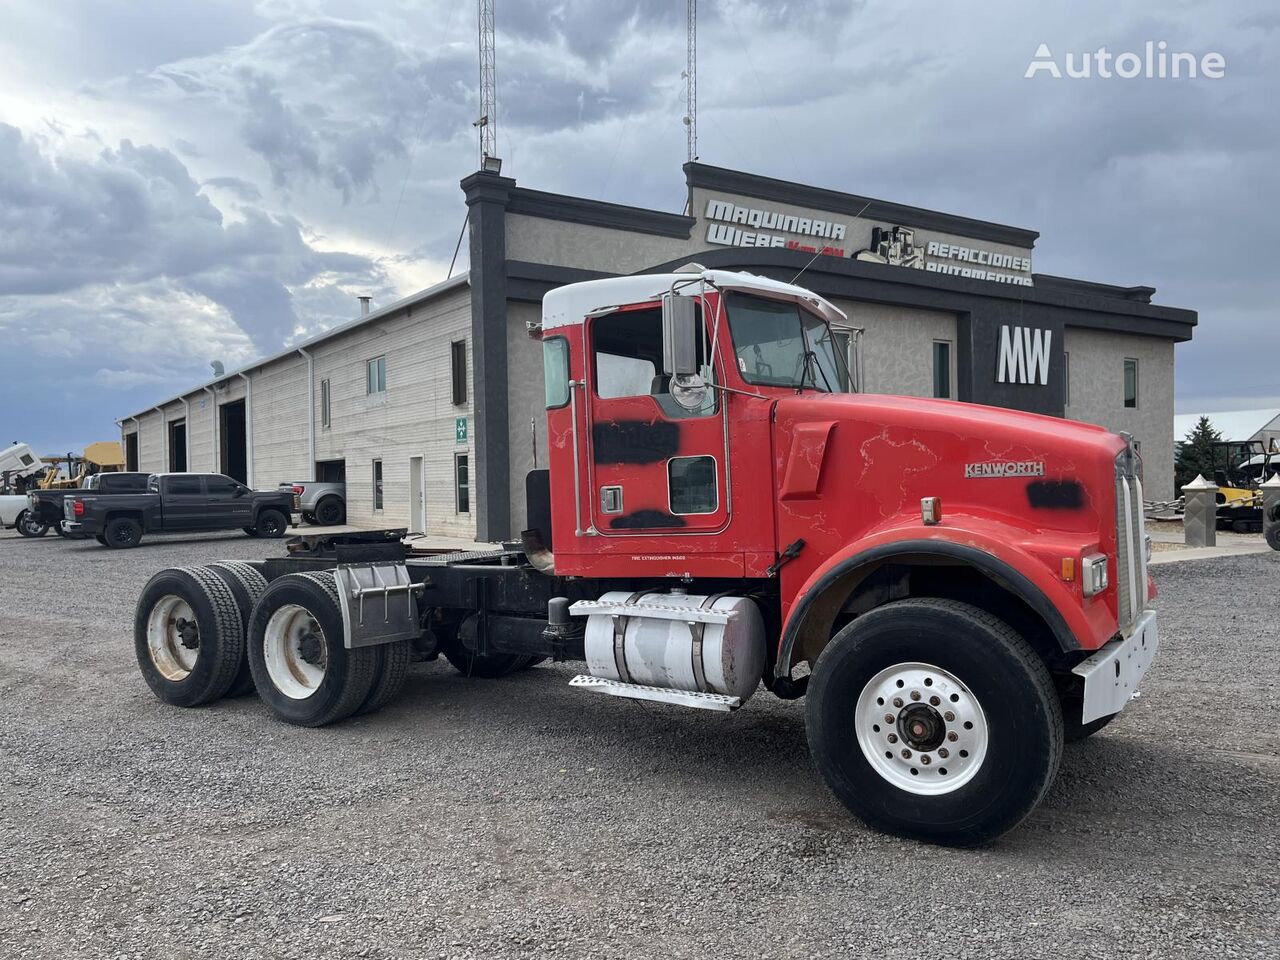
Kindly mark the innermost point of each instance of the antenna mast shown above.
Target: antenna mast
(691, 80)
(488, 122)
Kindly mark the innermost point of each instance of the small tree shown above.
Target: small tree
(1195, 454)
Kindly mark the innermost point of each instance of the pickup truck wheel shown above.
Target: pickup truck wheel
(308, 516)
(330, 512)
(187, 636)
(250, 531)
(101, 539)
(271, 524)
(389, 676)
(301, 669)
(248, 585)
(123, 533)
(933, 719)
(28, 525)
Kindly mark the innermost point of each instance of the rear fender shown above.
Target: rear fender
(990, 552)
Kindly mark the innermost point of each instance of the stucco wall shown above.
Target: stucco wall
(897, 347)
(1096, 395)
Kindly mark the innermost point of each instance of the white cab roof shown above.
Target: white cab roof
(569, 305)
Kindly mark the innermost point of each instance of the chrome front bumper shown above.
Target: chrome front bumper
(1111, 676)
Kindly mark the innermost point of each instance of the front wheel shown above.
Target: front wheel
(1273, 536)
(29, 525)
(933, 719)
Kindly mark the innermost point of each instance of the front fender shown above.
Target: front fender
(1011, 556)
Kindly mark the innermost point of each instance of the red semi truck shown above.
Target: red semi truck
(954, 589)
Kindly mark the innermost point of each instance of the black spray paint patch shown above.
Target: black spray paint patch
(1056, 494)
(634, 441)
(647, 520)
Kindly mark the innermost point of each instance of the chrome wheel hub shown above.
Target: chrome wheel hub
(921, 728)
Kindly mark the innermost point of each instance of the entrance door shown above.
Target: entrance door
(654, 466)
(417, 497)
(235, 450)
(178, 446)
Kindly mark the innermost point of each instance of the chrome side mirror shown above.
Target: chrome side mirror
(679, 335)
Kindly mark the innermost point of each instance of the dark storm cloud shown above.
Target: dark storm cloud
(134, 215)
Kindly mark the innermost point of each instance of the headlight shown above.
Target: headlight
(1094, 574)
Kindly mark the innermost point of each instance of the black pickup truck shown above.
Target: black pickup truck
(44, 507)
(178, 503)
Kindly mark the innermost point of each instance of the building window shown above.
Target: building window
(462, 481)
(376, 379)
(377, 484)
(324, 404)
(691, 485)
(458, 367)
(1066, 379)
(942, 369)
(1130, 382)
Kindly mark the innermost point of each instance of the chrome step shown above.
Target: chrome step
(638, 691)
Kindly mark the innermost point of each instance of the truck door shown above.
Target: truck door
(229, 504)
(654, 468)
(182, 503)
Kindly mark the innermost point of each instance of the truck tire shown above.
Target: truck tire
(101, 539)
(330, 512)
(302, 671)
(271, 524)
(1073, 731)
(933, 719)
(308, 516)
(1273, 536)
(250, 531)
(389, 676)
(122, 533)
(248, 586)
(29, 525)
(187, 636)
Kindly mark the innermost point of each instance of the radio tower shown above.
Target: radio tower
(488, 122)
(691, 80)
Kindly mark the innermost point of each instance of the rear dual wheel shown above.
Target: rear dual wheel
(933, 719)
(188, 637)
(299, 664)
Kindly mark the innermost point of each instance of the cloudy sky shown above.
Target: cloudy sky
(183, 181)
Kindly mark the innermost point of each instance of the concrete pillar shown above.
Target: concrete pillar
(1271, 509)
(487, 197)
(1200, 519)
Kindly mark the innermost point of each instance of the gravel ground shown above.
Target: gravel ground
(517, 817)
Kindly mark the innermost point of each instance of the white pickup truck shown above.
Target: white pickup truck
(14, 516)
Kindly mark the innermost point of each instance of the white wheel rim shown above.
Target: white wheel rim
(295, 651)
(173, 638)
(921, 728)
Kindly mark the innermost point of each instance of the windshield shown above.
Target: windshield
(777, 344)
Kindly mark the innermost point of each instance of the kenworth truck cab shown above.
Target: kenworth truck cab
(955, 590)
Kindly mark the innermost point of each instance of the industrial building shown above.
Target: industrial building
(431, 408)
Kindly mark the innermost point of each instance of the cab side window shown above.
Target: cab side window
(626, 359)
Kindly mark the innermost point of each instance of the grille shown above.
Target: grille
(1131, 547)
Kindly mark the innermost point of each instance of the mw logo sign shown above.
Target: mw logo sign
(1024, 355)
